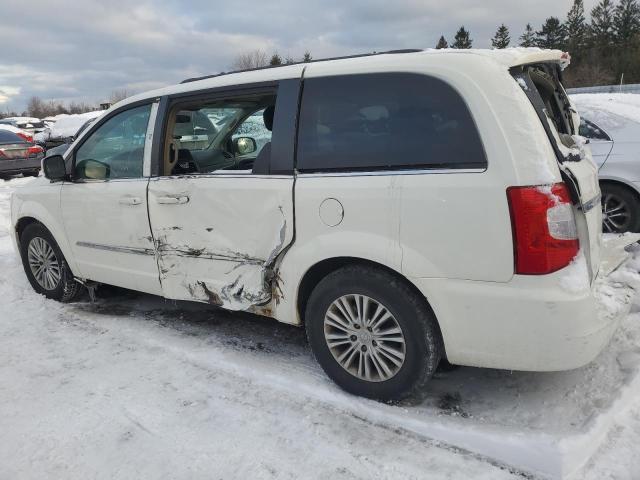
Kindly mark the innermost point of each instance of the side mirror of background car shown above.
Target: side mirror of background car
(54, 168)
(244, 145)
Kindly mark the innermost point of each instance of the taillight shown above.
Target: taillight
(35, 150)
(25, 136)
(545, 236)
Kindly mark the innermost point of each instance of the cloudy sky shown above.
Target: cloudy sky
(83, 50)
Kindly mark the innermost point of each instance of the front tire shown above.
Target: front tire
(372, 334)
(45, 265)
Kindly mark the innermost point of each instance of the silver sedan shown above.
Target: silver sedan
(610, 124)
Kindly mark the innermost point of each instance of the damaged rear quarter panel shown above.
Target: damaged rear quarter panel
(221, 247)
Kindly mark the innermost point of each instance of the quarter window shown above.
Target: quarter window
(385, 121)
(116, 148)
(591, 130)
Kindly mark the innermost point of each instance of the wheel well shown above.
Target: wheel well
(617, 183)
(23, 223)
(321, 269)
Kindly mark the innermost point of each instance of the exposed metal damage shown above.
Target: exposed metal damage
(253, 285)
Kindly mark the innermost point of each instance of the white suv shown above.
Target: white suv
(404, 207)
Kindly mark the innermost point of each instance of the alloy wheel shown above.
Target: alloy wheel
(364, 338)
(43, 263)
(616, 214)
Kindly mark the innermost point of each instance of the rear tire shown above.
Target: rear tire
(620, 209)
(45, 265)
(351, 340)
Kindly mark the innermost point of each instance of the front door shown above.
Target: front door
(220, 215)
(104, 208)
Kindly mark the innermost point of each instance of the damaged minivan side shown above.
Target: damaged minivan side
(403, 207)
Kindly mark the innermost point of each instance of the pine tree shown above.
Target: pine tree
(462, 39)
(501, 39)
(602, 23)
(576, 28)
(442, 43)
(552, 35)
(275, 59)
(626, 21)
(528, 38)
(307, 57)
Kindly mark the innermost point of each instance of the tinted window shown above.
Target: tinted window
(385, 121)
(591, 130)
(116, 148)
(7, 136)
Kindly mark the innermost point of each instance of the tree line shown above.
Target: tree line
(39, 108)
(258, 58)
(604, 49)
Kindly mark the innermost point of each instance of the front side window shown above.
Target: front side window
(116, 148)
(385, 121)
(591, 130)
(219, 135)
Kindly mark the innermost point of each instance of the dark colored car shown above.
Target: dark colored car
(18, 155)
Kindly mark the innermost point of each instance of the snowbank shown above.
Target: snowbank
(66, 126)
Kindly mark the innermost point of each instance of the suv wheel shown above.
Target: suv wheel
(45, 266)
(371, 333)
(620, 210)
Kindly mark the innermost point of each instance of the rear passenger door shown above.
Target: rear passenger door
(221, 212)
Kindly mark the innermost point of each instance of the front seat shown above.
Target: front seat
(262, 163)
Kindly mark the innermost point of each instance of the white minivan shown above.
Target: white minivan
(405, 207)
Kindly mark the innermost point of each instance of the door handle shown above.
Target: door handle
(130, 201)
(173, 200)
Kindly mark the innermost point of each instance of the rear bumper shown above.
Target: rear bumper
(530, 323)
(20, 165)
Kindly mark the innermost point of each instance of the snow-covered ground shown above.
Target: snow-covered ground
(137, 387)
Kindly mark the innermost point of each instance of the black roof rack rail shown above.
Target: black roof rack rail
(359, 55)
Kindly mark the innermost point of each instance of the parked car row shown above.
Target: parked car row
(17, 155)
(404, 208)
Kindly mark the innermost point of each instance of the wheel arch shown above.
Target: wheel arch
(23, 223)
(622, 183)
(316, 272)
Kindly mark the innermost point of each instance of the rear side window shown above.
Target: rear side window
(385, 121)
(591, 130)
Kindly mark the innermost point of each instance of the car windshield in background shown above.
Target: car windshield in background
(31, 125)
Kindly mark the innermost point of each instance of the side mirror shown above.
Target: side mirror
(92, 170)
(54, 168)
(244, 146)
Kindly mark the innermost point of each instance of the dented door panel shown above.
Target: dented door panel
(218, 241)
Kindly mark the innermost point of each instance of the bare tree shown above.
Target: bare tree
(117, 95)
(252, 59)
(36, 107)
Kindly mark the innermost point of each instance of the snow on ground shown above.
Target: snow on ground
(137, 387)
(66, 125)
